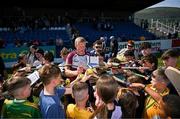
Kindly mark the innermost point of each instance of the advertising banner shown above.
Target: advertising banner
(10, 55)
(156, 44)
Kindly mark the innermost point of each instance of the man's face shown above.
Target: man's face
(130, 47)
(98, 48)
(80, 48)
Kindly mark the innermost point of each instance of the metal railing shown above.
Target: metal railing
(159, 26)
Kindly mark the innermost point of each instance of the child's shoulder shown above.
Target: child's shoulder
(70, 110)
(71, 107)
(27, 103)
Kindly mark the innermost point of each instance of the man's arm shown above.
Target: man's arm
(70, 73)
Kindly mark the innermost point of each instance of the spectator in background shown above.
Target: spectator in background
(63, 54)
(35, 42)
(17, 42)
(104, 40)
(142, 23)
(142, 38)
(98, 48)
(113, 46)
(146, 48)
(48, 58)
(21, 63)
(40, 57)
(31, 54)
(146, 24)
(59, 46)
(98, 51)
(169, 36)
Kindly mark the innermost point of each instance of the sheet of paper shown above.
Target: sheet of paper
(94, 61)
(34, 77)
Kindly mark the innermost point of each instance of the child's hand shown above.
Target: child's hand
(28, 69)
(80, 70)
(88, 74)
(128, 72)
(86, 77)
(90, 109)
(137, 85)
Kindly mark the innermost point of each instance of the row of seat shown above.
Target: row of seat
(42, 35)
(125, 29)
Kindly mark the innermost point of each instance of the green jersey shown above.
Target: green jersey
(20, 109)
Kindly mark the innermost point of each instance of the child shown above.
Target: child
(81, 96)
(170, 58)
(150, 62)
(21, 63)
(50, 104)
(138, 93)
(20, 107)
(156, 89)
(171, 106)
(105, 93)
(64, 52)
(128, 102)
(146, 50)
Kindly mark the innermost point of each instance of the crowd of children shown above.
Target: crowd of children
(124, 86)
